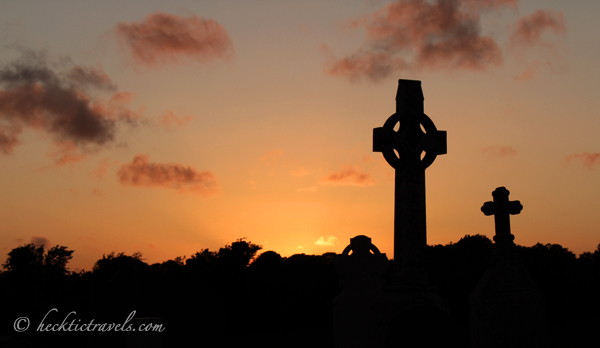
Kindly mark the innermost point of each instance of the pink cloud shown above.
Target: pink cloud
(169, 120)
(65, 153)
(141, 172)
(589, 160)
(532, 69)
(166, 38)
(102, 168)
(349, 175)
(528, 30)
(419, 34)
(498, 151)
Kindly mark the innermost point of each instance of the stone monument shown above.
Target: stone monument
(406, 312)
(507, 308)
(360, 267)
(403, 150)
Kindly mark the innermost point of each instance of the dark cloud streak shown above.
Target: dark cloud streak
(37, 94)
(142, 172)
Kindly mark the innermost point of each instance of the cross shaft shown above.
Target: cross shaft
(402, 149)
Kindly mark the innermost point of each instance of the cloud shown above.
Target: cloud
(35, 94)
(141, 172)
(497, 151)
(528, 30)
(84, 77)
(164, 38)
(64, 152)
(272, 157)
(532, 69)
(326, 241)
(169, 120)
(102, 168)
(300, 171)
(9, 136)
(420, 34)
(349, 175)
(38, 241)
(589, 160)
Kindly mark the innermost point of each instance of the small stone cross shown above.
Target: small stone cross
(502, 208)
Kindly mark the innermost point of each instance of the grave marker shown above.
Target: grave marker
(403, 149)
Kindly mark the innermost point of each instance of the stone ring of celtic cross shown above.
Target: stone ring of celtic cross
(426, 142)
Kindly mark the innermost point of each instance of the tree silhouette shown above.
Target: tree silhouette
(31, 261)
(236, 256)
(105, 268)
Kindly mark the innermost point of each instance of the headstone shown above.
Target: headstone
(406, 312)
(507, 308)
(403, 150)
(360, 267)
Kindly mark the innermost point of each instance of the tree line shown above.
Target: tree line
(235, 296)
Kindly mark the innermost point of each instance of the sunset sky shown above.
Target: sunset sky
(167, 128)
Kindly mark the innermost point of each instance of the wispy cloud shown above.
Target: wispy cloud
(326, 240)
(169, 120)
(65, 153)
(300, 171)
(532, 69)
(272, 157)
(102, 167)
(497, 151)
(348, 175)
(36, 94)
(142, 172)
(528, 30)
(163, 38)
(420, 34)
(39, 241)
(589, 160)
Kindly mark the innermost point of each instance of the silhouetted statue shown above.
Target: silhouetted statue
(507, 308)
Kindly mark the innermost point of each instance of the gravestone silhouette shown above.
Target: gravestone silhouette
(507, 308)
(360, 273)
(402, 149)
(406, 312)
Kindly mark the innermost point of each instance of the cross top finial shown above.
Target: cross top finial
(502, 208)
(403, 148)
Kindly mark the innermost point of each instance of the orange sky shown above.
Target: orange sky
(169, 128)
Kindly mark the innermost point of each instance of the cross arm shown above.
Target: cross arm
(383, 139)
(514, 207)
(437, 142)
(488, 208)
